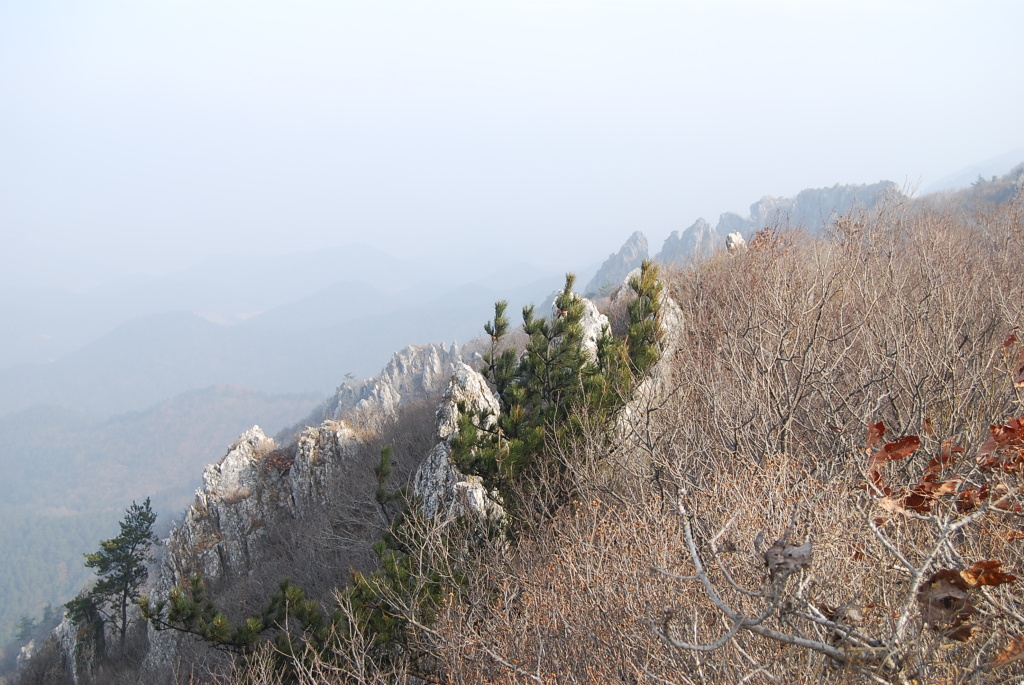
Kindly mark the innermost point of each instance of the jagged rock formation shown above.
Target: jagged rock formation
(814, 209)
(732, 223)
(441, 488)
(259, 485)
(79, 647)
(699, 240)
(415, 372)
(254, 484)
(614, 269)
(593, 324)
(253, 488)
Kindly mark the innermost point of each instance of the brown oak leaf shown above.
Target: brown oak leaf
(890, 451)
(986, 573)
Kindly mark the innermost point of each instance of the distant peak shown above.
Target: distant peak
(619, 264)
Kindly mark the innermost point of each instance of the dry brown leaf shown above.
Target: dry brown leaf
(898, 449)
(1005, 447)
(890, 451)
(929, 488)
(946, 604)
(875, 433)
(971, 498)
(1014, 651)
(986, 573)
(893, 506)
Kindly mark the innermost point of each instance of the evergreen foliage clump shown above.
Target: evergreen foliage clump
(122, 566)
(547, 393)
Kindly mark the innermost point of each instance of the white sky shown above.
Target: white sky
(144, 135)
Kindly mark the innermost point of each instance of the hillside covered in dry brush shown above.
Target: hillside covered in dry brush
(825, 485)
(820, 480)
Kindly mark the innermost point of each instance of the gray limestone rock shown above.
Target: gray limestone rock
(593, 324)
(734, 242)
(699, 240)
(629, 257)
(815, 209)
(415, 372)
(253, 486)
(442, 489)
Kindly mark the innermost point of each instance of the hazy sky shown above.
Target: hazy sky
(144, 135)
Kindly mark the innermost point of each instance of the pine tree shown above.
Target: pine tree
(26, 627)
(546, 391)
(121, 564)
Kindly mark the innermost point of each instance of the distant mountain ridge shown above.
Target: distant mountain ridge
(306, 347)
(814, 209)
(996, 166)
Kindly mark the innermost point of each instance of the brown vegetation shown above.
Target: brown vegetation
(791, 351)
(827, 489)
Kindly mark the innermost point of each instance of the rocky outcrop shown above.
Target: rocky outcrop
(260, 485)
(79, 646)
(734, 242)
(614, 269)
(814, 209)
(415, 372)
(253, 488)
(699, 240)
(441, 488)
(659, 379)
(253, 485)
(593, 324)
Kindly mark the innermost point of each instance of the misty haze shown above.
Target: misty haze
(244, 249)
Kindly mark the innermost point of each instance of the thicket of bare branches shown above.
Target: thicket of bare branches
(848, 398)
(790, 351)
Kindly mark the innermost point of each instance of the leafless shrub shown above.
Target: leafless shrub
(790, 351)
(890, 564)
